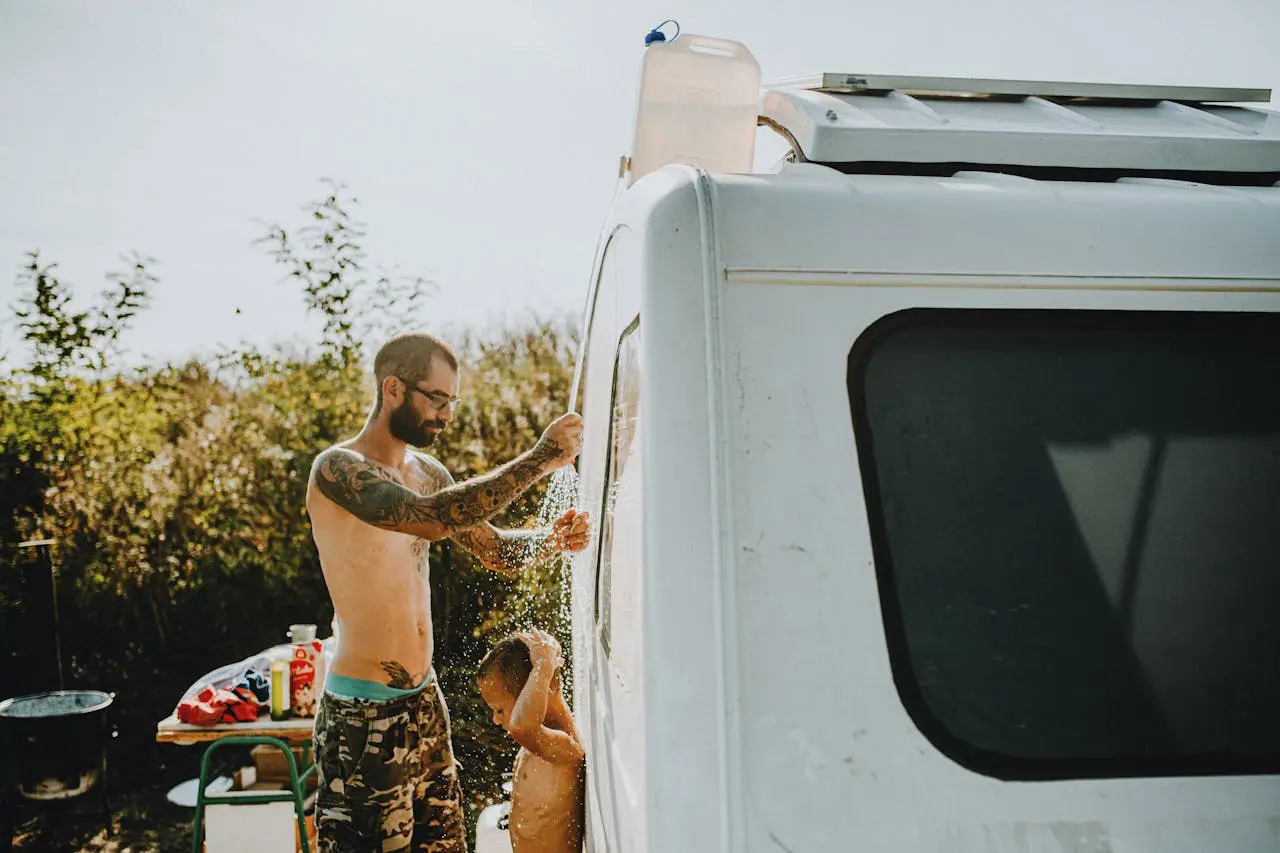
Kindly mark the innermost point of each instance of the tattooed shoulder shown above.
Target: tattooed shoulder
(373, 493)
(338, 461)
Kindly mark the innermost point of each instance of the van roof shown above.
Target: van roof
(875, 120)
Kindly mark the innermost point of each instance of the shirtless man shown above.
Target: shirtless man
(387, 780)
(520, 681)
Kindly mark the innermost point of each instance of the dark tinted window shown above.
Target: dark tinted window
(1076, 519)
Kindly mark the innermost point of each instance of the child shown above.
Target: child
(520, 681)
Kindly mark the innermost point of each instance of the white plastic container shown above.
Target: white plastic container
(491, 835)
(260, 826)
(698, 104)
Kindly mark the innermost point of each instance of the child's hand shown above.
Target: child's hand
(543, 648)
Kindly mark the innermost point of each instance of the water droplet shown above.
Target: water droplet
(549, 587)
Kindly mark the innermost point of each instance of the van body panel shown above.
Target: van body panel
(831, 753)
(767, 715)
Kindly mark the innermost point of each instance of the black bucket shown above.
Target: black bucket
(55, 744)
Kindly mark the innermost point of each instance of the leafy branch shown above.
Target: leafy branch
(325, 257)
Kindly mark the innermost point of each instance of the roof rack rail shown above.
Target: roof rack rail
(870, 84)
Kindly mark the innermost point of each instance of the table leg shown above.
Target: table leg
(296, 787)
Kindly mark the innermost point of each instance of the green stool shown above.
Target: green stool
(295, 783)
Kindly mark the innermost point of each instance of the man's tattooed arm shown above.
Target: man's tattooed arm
(358, 486)
(477, 500)
(506, 552)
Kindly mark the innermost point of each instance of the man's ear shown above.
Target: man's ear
(391, 386)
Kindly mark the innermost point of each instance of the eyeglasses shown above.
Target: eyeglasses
(437, 399)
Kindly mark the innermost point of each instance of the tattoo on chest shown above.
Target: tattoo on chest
(423, 480)
(422, 550)
(390, 473)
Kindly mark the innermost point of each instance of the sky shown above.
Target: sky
(481, 139)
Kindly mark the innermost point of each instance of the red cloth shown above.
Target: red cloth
(213, 705)
(241, 711)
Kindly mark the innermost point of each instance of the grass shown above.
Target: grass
(140, 775)
(142, 819)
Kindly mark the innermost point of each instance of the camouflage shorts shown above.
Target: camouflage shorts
(386, 776)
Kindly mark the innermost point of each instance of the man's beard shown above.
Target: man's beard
(406, 427)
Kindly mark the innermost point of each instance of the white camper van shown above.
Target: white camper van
(938, 473)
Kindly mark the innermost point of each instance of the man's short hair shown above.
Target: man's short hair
(409, 356)
(510, 662)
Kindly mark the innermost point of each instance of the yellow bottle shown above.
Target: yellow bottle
(279, 690)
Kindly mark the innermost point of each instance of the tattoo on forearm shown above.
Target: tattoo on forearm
(479, 499)
(505, 551)
(398, 676)
(485, 548)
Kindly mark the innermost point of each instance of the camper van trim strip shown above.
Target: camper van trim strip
(1003, 281)
(722, 542)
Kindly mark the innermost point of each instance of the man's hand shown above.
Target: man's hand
(560, 443)
(570, 532)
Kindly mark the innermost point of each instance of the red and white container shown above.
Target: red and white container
(306, 670)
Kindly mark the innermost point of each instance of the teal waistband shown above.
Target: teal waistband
(358, 688)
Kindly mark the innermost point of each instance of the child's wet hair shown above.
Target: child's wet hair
(510, 661)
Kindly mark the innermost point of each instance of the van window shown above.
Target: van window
(1075, 519)
(621, 512)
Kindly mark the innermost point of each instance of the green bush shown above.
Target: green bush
(175, 493)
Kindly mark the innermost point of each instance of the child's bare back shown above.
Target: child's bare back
(520, 680)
